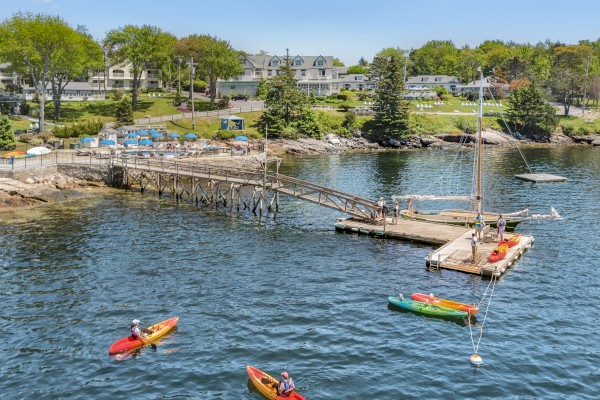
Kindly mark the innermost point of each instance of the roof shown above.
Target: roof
(10, 98)
(72, 86)
(475, 84)
(355, 78)
(233, 118)
(309, 61)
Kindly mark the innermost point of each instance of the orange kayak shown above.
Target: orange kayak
(267, 385)
(499, 253)
(129, 343)
(513, 240)
(436, 301)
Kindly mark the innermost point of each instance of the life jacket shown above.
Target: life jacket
(136, 332)
(287, 384)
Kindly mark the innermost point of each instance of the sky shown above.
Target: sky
(345, 29)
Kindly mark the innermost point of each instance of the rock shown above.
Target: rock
(30, 181)
(61, 184)
(596, 142)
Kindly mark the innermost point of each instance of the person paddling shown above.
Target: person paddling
(137, 332)
(286, 386)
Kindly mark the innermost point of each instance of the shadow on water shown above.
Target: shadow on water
(472, 320)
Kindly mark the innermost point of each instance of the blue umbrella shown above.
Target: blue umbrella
(131, 134)
(108, 142)
(190, 136)
(142, 133)
(87, 139)
(156, 134)
(130, 141)
(147, 142)
(243, 138)
(176, 135)
(151, 131)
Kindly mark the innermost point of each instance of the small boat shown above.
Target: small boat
(267, 385)
(158, 330)
(513, 240)
(499, 253)
(425, 308)
(436, 301)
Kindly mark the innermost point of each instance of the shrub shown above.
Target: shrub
(468, 126)
(118, 94)
(289, 132)
(78, 130)
(345, 106)
(568, 129)
(225, 134)
(224, 103)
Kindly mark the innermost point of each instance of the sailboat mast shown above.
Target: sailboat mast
(479, 141)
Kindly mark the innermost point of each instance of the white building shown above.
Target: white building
(7, 76)
(315, 74)
(121, 77)
(451, 83)
(355, 82)
(73, 91)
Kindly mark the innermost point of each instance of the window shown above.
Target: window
(275, 63)
(118, 73)
(270, 72)
(303, 72)
(424, 79)
(321, 72)
(297, 62)
(258, 72)
(320, 62)
(438, 79)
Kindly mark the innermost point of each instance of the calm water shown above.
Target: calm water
(289, 293)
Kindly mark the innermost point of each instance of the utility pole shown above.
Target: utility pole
(179, 75)
(192, 71)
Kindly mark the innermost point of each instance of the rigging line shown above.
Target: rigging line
(476, 346)
(511, 134)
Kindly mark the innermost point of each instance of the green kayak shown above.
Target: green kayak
(425, 308)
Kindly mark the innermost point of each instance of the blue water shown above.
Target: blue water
(287, 292)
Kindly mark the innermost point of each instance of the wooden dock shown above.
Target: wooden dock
(455, 241)
(539, 178)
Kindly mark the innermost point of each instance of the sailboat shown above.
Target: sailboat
(460, 216)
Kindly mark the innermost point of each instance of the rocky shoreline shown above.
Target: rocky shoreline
(35, 190)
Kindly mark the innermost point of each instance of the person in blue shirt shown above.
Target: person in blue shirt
(479, 224)
(501, 225)
(286, 386)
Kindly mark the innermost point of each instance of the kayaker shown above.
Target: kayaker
(137, 332)
(286, 386)
(473, 246)
(501, 225)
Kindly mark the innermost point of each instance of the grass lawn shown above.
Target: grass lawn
(578, 126)
(209, 127)
(19, 123)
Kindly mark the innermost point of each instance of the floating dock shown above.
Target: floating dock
(455, 241)
(539, 178)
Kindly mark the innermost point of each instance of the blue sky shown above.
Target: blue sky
(345, 29)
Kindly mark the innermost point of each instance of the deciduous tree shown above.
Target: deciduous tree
(529, 111)
(142, 47)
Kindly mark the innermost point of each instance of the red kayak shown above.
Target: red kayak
(513, 240)
(499, 253)
(437, 301)
(129, 343)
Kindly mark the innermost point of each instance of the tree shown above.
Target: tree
(362, 62)
(567, 77)
(37, 45)
(262, 90)
(288, 109)
(81, 53)
(435, 57)
(380, 61)
(391, 111)
(215, 57)
(142, 47)
(337, 62)
(7, 136)
(124, 112)
(357, 69)
(529, 111)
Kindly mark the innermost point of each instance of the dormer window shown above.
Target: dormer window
(297, 63)
(275, 63)
(320, 63)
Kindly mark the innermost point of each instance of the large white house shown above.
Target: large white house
(315, 74)
(356, 82)
(73, 91)
(7, 76)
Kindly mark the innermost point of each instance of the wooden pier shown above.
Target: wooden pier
(455, 253)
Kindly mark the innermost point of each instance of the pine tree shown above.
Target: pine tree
(391, 111)
(528, 110)
(262, 90)
(287, 108)
(7, 136)
(124, 112)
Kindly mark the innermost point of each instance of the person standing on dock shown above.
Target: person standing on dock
(473, 247)
(396, 213)
(380, 204)
(501, 224)
(479, 224)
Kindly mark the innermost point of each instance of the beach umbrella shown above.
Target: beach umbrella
(146, 142)
(155, 134)
(131, 134)
(174, 135)
(151, 131)
(142, 133)
(130, 141)
(242, 138)
(87, 139)
(14, 153)
(108, 142)
(36, 151)
(190, 136)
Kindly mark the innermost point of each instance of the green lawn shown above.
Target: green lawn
(19, 123)
(578, 126)
(208, 127)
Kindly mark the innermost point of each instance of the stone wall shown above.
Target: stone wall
(89, 173)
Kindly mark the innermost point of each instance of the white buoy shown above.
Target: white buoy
(476, 359)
